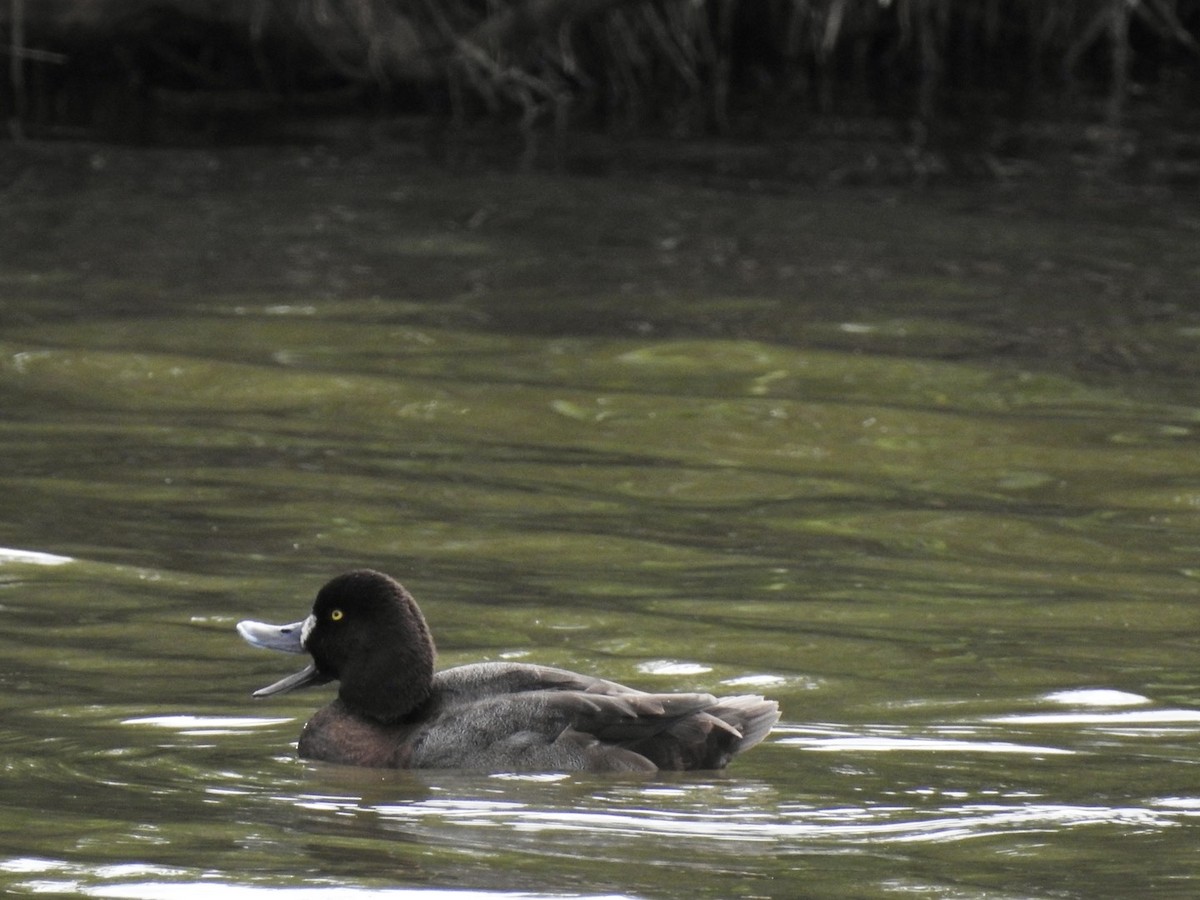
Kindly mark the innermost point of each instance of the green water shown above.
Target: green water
(921, 467)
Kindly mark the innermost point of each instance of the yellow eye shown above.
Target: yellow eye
(336, 615)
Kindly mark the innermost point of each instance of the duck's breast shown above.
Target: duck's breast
(335, 734)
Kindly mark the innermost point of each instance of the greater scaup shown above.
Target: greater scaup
(366, 631)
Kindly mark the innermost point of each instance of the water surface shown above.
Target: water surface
(922, 468)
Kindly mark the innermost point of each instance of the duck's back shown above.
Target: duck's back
(516, 717)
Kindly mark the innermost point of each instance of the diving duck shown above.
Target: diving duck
(392, 710)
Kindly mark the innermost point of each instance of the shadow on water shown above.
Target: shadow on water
(920, 469)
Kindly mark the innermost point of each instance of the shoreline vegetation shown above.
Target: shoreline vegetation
(920, 88)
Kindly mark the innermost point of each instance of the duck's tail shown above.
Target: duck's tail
(752, 716)
(685, 731)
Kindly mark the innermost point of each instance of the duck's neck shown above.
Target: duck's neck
(388, 680)
(389, 687)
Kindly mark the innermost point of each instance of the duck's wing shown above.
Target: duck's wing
(533, 717)
(672, 731)
(496, 679)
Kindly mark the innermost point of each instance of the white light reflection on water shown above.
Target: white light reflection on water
(799, 824)
(1184, 806)
(200, 726)
(32, 557)
(210, 891)
(839, 825)
(755, 681)
(1096, 697)
(672, 667)
(67, 878)
(1105, 711)
(883, 738)
(1189, 717)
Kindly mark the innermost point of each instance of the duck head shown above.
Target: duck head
(365, 631)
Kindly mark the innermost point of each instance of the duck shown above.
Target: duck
(366, 632)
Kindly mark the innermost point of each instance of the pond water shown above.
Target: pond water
(921, 467)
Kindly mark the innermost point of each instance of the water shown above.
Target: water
(940, 503)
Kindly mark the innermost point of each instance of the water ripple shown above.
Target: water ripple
(801, 825)
(32, 557)
(884, 738)
(67, 878)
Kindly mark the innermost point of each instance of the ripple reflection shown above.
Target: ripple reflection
(473, 821)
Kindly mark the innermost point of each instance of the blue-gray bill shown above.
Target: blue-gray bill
(287, 639)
